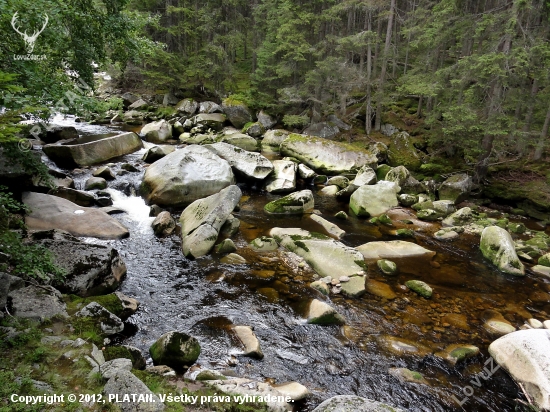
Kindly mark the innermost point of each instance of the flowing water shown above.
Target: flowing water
(204, 298)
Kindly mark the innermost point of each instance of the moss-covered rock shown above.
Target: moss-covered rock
(320, 286)
(402, 152)
(175, 349)
(226, 246)
(341, 215)
(254, 129)
(544, 260)
(387, 267)
(404, 232)
(264, 244)
(421, 288)
(456, 188)
(457, 353)
(293, 204)
(374, 200)
(237, 112)
(382, 170)
(497, 245)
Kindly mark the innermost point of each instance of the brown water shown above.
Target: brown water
(204, 297)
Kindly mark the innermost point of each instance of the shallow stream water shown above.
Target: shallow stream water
(204, 298)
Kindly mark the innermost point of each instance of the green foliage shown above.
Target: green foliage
(295, 121)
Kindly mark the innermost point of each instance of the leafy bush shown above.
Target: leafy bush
(295, 121)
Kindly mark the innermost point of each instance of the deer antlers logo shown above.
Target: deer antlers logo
(29, 40)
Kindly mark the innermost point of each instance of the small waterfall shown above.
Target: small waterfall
(135, 208)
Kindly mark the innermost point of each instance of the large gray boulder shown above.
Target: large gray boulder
(283, 178)
(157, 132)
(266, 120)
(272, 140)
(327, 156)
(237, 112)
(209, 107)
(374, 200)
(326, 256)
(36, 303)
(87, 151)
(187, 106)
(212, 121)
(296, 203)
(125, 383)
(201, 220)
(351, 403)
(51, 212)
(89, 269)
(525, 356)
(184, 176)
(497, 245)
(250, 164)
(175, 349)
(456, 188)
(157, 152)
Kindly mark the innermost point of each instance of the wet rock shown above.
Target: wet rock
(94, 183)
(202, 220)
(332, 230)
(155, 210)
(459, 218)
(283, 178)
(249, 340)
(175, 349)
(524, 355)
(380, 289)
(226, 246)
(320, 313)
(544, 260)
(129, 305)
(93, 152)
(331, 190)
(374, 200)
(421, 288)
(407, 375)
(326, 256)
(497, 245)
(365, 176)
(272, 140)
(233, 259)
(186, 175)
(457, 353)
(294, 204)
(407, 200)
(164, 224)
(78, 197)
(187, 107)
(354, 287)
(237, 112)
(230, 227)
(498, 327)
(448, 233)
(401, 152)
(242, 141)
(36, 303)
(326, 156)
(341, 181)
(387, 267)
(393, 249)
(541, 270)
(250, 164)
(109, 323)
(264, 244)
(212, 121)
(157, 152)
(89, 269)
(320, 286)
(341, 215)
(125, 383)
(157, 132)
(305, 172)
(351, 403)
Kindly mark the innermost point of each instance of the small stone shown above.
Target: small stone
(95, 183)
(546, 324)
(233, 259)
(343, 279)
(341, 215)
(105, 172)
(535, 324)
(387, 267)
(249, 340)
(421, 288)
(320, 286)
(226, 246)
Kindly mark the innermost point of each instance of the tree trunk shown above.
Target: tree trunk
(523, 140)
(368, 110)
(543, 136)
(380, 92)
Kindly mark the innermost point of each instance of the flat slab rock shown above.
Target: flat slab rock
(37, 303)
(350, 403)
(393, 249)
(52, 212)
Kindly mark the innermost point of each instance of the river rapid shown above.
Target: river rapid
(204, 298)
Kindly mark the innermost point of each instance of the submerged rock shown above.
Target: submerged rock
(186, 175)
(327, 156)
(293, 204)
(407, 375)
(497, 245)
(374, 200)
(201, 220)
(175, 349)
(525, 356)
(264, 244)
(457, 353)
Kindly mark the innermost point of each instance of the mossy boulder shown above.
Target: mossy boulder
(402, 152)
(404, 232)
(226, 246)
(264, 244)
(341, 215)
(327, 156)
(544, 260)
(461, 217)
(237, 112)
(382, 170)
(272, 140)
(374, 200)
(242, 141)
(497, 245)
(456, 188)
(254, 129)
(320, 286)
(421, 288)
(387, 267)
(407, 200)
(293, 204)
(175, 349)
(398, 175)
